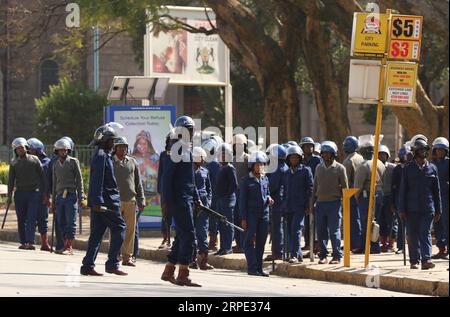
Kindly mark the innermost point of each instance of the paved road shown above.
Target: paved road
(37, 273)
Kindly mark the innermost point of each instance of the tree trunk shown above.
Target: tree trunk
(262, 55)
(331, 104)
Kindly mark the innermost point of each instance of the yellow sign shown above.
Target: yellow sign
(405, 38)
(369, 34)
(401, 84)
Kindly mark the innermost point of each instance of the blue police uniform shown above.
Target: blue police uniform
(441, 227)
(312, 162)
(420, 199)
(213, 168)
(397, 230)
(179, 192)
(163, 157)
(103, 191)
(42, 216)
(277, 189)
(203, 185)
(254, 208)
(226, 185)
(299, 184)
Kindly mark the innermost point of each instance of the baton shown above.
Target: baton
(404, 242)
(6, 213)
(312, 230)
(220, 217)
(80, 217)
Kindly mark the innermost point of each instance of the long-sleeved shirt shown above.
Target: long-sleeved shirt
(299, 184)
(26, 175)
(103, 188)
(178, 178)
(129, 180)
(419, 190)
(226, 182)
(312, 162)
(443, 172)
(363, 175)
(351, 163)
(329, 182)
(277, 186)
(203, 185)
(213, 168)
(254, 196)
(396, 182)
(67, 176)
(387, 178)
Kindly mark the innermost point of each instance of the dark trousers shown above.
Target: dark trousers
(258, 227)
(419, 236)
(295, 224)
(183, 245)
(136, 235)
(27, 204)
(355, 224)
(277, 233)
(328, 219)
(42, 219)
(99, 222)
(364, 212)
(226, 208)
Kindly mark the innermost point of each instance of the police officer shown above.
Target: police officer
(26, 175)
(67, 193)
(441, 160)
(36, 147)
(104, 200)
(212, 165)
(363, 175)
(404, 158)
(387, 213)
(277, 189)
(240, 161)
(420, 203)
(226, 185)
(179, 195)
(166, 223)
(352, 161)
(299, 183)
(254, 208)
(330, 180)
(201, 221)
(312, 161)
(126, 171)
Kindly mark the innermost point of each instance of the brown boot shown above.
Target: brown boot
(68, 250)
(194, 264)
(440, 255)
(169, 273)
(183, 277)
(212, 243)
(44, 243)
(203, 262)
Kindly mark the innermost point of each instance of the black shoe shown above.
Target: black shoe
(256, 273)
(262, 273)
(218, 252)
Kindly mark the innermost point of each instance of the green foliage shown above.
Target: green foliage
(370, 113)
(4, 172)
(69, 109)
(85, 174)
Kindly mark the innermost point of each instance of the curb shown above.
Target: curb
(358, 277)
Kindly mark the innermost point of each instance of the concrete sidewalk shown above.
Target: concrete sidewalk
(386, 270)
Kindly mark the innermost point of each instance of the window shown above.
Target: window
(49, 75)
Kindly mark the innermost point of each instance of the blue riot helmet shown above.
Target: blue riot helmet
(350, 144)
(68, 138)
(402, 153)
(306, 140)
(103, 134)
(279, 152)
(185, 121)
(292, 143)
(440, 143)
(37, 145)
(62, 144)
(330, 147)
(293, 150)
(256, 157)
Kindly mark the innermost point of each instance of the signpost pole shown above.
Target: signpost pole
(375, 154)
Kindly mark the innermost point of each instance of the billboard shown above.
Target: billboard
(187, 58)
(146, 128)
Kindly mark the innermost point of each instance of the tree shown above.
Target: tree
(69, 109)
(269, 37)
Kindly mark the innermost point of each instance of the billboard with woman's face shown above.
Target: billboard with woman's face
(145, 128)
